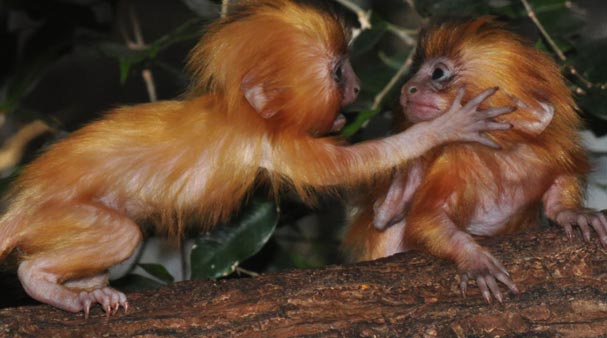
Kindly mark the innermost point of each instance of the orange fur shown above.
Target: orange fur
(460, 178)
(263, 91)
(146, 161)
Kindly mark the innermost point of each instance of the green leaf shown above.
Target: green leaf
(359, 122)
(189, 30)
(125, 69)
(129, 58)
(157, 271)
(218, 253)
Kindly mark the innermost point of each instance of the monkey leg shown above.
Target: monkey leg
(70, 270)
(364, 242)
(439, 235)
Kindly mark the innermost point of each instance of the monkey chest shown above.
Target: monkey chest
(495, 212)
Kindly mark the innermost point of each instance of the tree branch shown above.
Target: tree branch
(224, 7)
(408, 295)
(138, 44)
(377, 101)
(570, 68)
(364, 17)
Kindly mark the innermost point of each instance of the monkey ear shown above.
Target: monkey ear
(544, 117)
(541, 117)
(258, 97)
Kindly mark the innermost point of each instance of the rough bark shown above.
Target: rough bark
(562, 283)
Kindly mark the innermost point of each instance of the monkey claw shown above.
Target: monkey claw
(111, 300)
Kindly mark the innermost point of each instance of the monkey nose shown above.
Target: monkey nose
(356, 89)
(412, 90)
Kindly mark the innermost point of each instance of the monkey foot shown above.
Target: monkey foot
(585, 219)
(487, 271)
(111, 300)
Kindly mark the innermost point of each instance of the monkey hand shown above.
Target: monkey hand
(584, 219)
(481, 266)
(467, 122)
(393, 207)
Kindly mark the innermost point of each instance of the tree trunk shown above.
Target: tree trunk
(562, 283)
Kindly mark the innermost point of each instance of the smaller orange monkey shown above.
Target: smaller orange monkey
(268, 83)
(457, 190)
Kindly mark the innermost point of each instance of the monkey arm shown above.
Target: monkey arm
(321, 162)
(563, 205)
(392, 207)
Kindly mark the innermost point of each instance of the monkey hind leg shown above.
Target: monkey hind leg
(364, 242)
(70, 272)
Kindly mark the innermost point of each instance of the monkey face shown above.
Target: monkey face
(349, 86)
(426, 95)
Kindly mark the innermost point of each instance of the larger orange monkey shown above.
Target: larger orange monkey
(458, 190)
(269, 80)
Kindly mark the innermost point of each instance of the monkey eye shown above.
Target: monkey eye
(440, 73)
(338, 73)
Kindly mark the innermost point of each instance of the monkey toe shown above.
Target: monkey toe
(111, 300)
(487, 272)
(488, 286)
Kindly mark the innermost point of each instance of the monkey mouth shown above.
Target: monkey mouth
(421, 111)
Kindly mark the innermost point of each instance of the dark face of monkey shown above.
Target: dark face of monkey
(424, 96)
(349, 85)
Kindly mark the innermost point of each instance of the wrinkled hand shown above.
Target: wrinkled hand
(486, 270)
(467, 123)
(584, 219)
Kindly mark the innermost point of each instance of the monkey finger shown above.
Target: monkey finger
(568, 231)
(504, 279)
(463, 284)
(115, 308)
(486, 141)
(603, 218)
(477, 100)
(597, 225)
(488, 126)
(603, 221)
(582, 222)
(114, 299)
(482, 285)
(499, 271)
(495, 290)
(494, 112)
(86, 302)
(457, 102)
(87, 309)
(103, 299)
